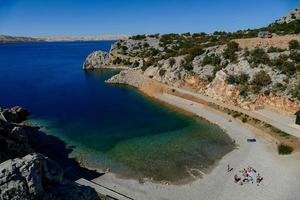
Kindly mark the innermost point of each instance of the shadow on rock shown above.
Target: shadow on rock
(57, 150)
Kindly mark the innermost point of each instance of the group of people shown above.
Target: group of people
(248, 175)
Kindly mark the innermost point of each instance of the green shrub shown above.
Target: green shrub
(172, 62)
(135, 64)
(244, 90)
(275, 50)
(295, 55)
(294, 44)
(138, 37)
(258, 56)
(296, 92)
(260, 79)
(231, 79)
(245, 119)
(124, 48)
(187, 64)
(229, 52)
(146, 45)
(162, 72)
(117, 61)
(284, 149)
(237, 79)
(211, 60)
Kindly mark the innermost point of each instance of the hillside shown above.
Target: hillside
(12, 39)
(238, 68)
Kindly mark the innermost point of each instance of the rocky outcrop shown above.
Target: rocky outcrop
(26, 175)
(15, 114)
(220, 90)
(38, 177)
(96, 60)
(26, 178)
(292, 16)
(278, 103)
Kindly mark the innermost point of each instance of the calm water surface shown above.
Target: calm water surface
(109, 126)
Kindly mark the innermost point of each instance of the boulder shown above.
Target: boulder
(96, 60)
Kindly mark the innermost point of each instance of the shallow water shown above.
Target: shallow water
(109, 126)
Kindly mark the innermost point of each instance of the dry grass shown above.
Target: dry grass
(277, 41)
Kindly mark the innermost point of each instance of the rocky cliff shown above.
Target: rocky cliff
(292, 16)
(27, 175)
(250, 73)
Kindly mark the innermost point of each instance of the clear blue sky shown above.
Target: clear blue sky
(95, 17)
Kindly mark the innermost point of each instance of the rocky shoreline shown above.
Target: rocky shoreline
(27, 174)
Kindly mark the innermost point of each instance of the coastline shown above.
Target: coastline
(218, 184)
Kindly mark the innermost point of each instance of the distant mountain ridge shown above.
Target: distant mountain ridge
(12, 39)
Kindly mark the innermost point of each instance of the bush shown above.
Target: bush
(124, 48)
(138, 37)
(146, 45)
(237, 79)
(296, 92)
(260, 79)
(295, 55)
(229, 52)
(136, 64)
(259, 56)
(275, 50)
(187, 64)
(162, 72)
(284, 149)
(294, 44)
(211, 60)
(172, 62)
(117, 61)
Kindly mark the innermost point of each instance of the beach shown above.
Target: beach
(280, 173)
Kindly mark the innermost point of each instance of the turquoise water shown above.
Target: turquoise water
(107, 126)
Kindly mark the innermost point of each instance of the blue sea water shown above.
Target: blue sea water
(108, 126)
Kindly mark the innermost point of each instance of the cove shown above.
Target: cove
(108, 126)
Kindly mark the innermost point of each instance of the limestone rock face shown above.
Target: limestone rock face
(96, 60)
(220, 90)
(294, 15)
(36, 177)
(24, 178)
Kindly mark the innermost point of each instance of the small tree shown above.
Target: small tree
(294, 44)
(260, 79)
(259, 56)
(229, 52)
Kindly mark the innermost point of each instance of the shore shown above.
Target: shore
(280, 173)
